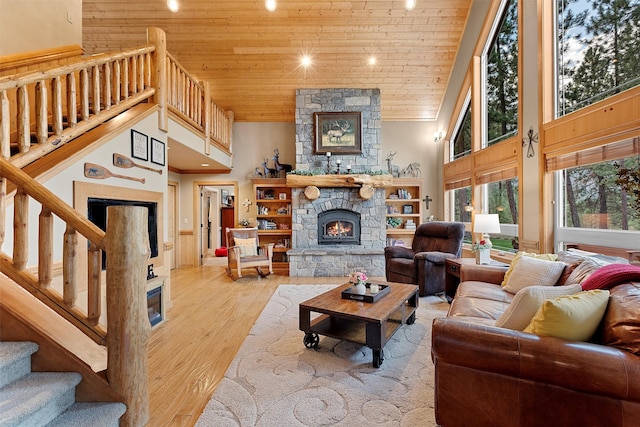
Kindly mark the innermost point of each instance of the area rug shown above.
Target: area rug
(275, 380)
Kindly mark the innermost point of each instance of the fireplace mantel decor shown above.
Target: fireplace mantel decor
(352, 180)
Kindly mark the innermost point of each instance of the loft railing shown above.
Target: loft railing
(42, 110)
(190, 99)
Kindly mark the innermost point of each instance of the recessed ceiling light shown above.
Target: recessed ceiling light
(204, 164)
(305, 61)
(173, 5)
(270, 5)
(410, 4)
(372, 60)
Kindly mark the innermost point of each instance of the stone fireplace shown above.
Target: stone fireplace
(320, 249)
(339, 226)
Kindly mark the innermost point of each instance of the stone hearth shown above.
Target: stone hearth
(307, 257)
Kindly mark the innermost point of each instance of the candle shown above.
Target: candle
(328, 153)
(338, 161)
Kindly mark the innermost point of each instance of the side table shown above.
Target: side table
(452, 276)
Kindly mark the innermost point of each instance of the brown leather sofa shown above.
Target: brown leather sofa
(423, 263)
(490, 376)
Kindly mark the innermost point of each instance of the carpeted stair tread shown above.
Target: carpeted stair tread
(15, 360)
(94, 414)
(37, 398)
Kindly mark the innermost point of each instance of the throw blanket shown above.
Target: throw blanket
(611, 275)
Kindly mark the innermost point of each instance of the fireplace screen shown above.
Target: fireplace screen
(339, 226)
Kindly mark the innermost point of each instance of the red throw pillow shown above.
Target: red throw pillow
(610, 275)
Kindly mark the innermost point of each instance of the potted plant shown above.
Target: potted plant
(359, 280)
(482, 250)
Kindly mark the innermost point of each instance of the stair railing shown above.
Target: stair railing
(125, 287)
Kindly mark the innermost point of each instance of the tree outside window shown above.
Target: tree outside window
(597, 50)
(502, 198)
(461, 143)
(502, 78)
(593, 199)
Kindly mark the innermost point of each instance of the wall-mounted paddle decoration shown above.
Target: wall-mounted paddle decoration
(91, 170)
(122, 161)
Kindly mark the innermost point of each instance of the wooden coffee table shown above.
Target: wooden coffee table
(370, 324)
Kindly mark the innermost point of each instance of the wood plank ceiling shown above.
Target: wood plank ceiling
(251, 57)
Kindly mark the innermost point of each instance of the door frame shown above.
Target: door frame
(197, 187)
(174, 263)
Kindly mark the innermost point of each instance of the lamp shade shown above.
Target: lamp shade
(486, 223)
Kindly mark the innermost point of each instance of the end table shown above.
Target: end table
(452, 276)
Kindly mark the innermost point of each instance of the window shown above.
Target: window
(461, 143)
(597, 51)
(502, 198)
(591, 207)
(592, 198)
(461, 199)
(501, 93)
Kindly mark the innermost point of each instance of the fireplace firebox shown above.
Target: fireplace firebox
(339, 227)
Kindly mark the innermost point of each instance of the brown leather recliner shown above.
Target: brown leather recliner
(423, 263)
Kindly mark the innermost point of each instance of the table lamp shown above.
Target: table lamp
(485, 224)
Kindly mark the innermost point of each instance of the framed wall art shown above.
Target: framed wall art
(139, 145)
(157, 152)
(339, 133)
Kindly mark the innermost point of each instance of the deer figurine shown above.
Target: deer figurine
(280, 166)
(338, 130)
(393, 169)
(268, 172)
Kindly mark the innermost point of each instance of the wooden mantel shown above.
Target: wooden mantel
(352, 180)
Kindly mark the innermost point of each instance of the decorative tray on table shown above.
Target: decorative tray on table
(368, 296)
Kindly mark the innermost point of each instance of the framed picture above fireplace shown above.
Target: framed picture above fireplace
(339, 133)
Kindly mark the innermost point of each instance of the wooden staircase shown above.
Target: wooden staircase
(45, 112)
(46, 398)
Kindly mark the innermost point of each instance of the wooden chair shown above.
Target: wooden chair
(244, 252)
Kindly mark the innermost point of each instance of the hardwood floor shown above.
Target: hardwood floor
(210, 317)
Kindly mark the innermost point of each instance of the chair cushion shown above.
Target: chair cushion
(248, 247)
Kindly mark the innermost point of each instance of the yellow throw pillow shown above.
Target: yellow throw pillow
(516, 258)
(248, 247)
(572, 317)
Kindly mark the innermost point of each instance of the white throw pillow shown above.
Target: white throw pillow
(527, 302)
(531, 271)
(247, 247)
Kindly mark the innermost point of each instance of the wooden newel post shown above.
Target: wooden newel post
(128, 327)
(158, 38)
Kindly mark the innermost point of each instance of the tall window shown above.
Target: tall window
(461, 143)
(597, 50)
(502, 78)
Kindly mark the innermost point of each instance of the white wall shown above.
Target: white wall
(20, 18)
